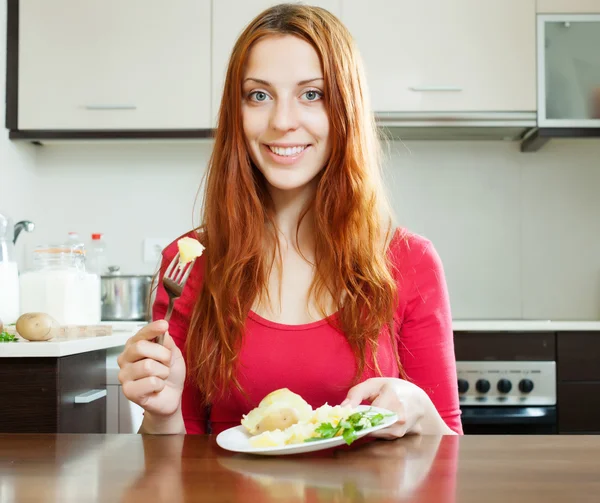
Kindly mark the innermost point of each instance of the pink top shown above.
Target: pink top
(315, 360)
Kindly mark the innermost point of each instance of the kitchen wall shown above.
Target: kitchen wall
(16, 160)
(518, 233)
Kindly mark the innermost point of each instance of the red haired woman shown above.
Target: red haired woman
(304, 283)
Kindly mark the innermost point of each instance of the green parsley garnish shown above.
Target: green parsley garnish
(6, 337)
(349, 426)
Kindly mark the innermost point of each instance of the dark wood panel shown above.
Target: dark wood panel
(578, 407)
(12, 64)
(37, 394)
(38, 136)
(578, 356)
(505, 346)
(28, 395)
(79, 374)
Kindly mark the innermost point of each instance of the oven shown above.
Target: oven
(507, 383)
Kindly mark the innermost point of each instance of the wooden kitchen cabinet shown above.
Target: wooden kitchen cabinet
(568, 6)
(229, 18)
(111, 64)
(578, 368)
(53, 395)
(441, 56)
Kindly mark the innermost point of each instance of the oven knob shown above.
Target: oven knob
(526, 386)
(482, 385)
(463, 386)
(504, 386)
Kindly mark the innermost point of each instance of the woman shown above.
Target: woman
(304, 283)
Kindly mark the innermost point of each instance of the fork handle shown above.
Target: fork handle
(161, 338)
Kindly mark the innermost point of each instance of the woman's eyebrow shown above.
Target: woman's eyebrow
(265, 83)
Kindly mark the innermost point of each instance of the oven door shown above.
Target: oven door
(508, 420)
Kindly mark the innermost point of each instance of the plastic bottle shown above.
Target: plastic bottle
(96, 260)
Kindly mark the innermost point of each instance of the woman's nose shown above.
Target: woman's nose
(284, 116)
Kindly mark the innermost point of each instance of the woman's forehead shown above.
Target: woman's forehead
(283, 60)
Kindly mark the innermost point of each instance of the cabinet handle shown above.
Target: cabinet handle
(90, 396)
(424, 89)
(110, 107)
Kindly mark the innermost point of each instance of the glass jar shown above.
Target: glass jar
(59, 285)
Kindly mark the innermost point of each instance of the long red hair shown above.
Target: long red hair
(351, 215)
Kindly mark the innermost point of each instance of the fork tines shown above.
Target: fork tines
(177, 272)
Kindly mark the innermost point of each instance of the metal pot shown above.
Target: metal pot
(125, 297)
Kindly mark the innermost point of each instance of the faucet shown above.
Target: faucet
(23, 225)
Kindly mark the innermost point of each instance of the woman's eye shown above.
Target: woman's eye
(258, 96)
(313, 95)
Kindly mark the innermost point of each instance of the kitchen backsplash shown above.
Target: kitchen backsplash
(517, 232)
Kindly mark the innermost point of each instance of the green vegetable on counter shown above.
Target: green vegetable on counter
(6, 337)
(349, 426)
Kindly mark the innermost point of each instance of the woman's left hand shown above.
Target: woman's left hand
(405, 399)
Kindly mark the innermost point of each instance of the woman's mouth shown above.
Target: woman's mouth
(287, 154)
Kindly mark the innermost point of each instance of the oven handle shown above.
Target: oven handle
(508, 415)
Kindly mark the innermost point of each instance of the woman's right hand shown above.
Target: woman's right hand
(152, 375)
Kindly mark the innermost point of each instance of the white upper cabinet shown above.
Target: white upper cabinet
(447, 56)
(568, 6)
(230, 17)
(114, 64)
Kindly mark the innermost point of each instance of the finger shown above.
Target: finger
(366, 390)
(143, 349)
(145, 368)
(388, 399)
(139, 391)
(148, 332)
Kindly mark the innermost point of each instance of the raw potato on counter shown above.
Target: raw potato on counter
(37, 326)
(285, 418)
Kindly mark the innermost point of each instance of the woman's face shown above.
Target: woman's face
(284, 117)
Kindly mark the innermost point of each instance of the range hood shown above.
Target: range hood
(406, 126)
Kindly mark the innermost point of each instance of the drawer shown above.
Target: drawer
(578, 407)
(578, 356)
(82, 393)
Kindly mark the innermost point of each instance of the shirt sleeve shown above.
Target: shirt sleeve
(426, 339)
(194, 415)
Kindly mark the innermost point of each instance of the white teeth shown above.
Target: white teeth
(288, 151)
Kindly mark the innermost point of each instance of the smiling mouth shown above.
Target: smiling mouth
(288, 151)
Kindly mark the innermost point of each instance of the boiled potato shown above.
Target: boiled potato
(277, 420)
(37, 326)
(189, 249)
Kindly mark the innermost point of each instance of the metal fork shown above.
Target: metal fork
(174, 280)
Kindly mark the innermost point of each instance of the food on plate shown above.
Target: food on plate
(1, 326)
(278, 410)
(285, 418)
(37, 326)
(189, 249)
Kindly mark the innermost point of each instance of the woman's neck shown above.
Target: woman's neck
(289, 208)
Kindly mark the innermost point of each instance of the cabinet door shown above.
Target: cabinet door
(568, 6)
(441, 56)
(230, 17)
(114, 64)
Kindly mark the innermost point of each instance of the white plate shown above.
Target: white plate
(237, 439)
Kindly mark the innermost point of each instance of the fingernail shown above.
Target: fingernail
(345, 403)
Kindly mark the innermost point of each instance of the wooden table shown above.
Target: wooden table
(177, 469)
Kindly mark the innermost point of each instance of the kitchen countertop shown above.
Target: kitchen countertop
(123, 330)
(66, 347)
(524, 326)
(180, 468)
